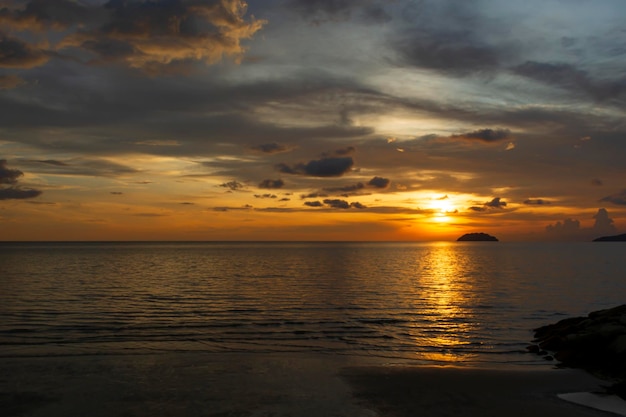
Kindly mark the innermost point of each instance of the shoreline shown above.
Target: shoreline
(304, 385)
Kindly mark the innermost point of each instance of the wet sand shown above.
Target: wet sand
(299, 385)
(437, 391)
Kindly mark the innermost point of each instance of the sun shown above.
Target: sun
(442, 207)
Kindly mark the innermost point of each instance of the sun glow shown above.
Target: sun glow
(442, 208)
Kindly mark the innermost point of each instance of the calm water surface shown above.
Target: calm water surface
(474, 302)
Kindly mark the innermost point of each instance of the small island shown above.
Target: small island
(477, 237)
(615, 238)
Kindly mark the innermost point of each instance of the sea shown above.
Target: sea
(461, 303)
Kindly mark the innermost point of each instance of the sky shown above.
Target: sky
(312, 119)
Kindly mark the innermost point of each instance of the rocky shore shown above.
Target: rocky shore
(596, 343)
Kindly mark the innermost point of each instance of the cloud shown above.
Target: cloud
(325, 167)
(617, 198)
(568, 227)
(569, 77)
(13, 191)
(271, 184)
(320, 11)
(39, 15)
(313, 195)
(603, 223)
(156, 36)
(454, 52)
(265, 196)
(379, 182)
(313, 204)
(536, 202)
(341, 152)
(233, 185)
(15, 53)
(347, 188)
(7, 175)
(270, 148)
(495, 203)
(486, 135)
(8, 82)
(597, 182)
(357, 205)
(92, 167)
(341, 204)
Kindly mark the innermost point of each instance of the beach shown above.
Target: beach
(199, 384)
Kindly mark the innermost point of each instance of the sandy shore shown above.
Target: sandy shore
(277, 385)
(436, 391)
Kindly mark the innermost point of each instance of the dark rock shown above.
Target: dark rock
(477, 237)
(533, 349)
(596, 343)
(615, 238)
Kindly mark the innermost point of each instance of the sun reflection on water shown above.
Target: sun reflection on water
(451, 295)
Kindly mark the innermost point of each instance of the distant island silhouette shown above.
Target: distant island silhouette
(615, 238)
(477, 237)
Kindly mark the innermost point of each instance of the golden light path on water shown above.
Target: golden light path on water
(448, 292)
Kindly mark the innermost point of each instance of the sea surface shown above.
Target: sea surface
(470, 303)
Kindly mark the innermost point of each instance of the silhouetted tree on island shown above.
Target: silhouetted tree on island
(477, 237)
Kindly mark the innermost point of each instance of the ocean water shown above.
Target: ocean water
(472, 303)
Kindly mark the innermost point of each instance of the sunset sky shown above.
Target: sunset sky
(312, 119)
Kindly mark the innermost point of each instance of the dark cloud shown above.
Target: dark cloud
(313, 195)
(152, 35)
(379, 182)
(156, 36)
(495, 203)
(568, 77)
(325, 167)
(486, 135)
(7, 175)
(347, 188)
(53, 162)
(357, 205)
(93, 167)
(233, 185)
(313, 204)
(271, 148)
(617, 198)
(116, 193)
(265, 196)
(340, 152)
(597, 182)
(536, 201)
(320, 11)
(603, 223)
(39, 15)
(454, 52)
(567, 227)
(271, 184)
(13, 191)
(15, 53)
(334, 203)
